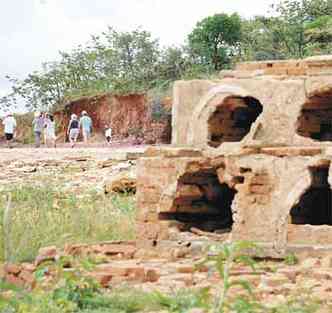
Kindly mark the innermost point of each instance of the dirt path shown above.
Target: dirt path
(65, 152)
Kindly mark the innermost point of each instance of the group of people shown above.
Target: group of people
(75, 124)
(44, 125)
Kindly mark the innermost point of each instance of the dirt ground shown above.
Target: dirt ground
(172, 265)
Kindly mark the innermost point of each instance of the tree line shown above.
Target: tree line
(135, 62)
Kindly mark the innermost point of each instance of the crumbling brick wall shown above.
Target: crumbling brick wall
(283, 98)
(260, 175)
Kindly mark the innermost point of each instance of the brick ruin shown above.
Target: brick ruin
(250, 157)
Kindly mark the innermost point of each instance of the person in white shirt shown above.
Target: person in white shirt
(9, 123)
(50, 136)
(108, 134)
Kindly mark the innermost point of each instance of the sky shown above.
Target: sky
(33, 31)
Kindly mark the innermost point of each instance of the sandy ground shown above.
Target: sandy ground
(65, 151)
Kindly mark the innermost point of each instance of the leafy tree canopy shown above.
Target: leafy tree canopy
(117, 62)
(215, 39)
(134, 62)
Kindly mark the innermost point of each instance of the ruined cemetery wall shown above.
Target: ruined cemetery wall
(178, 192)
(295, 109)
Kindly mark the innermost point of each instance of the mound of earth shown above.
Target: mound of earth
(133, 118)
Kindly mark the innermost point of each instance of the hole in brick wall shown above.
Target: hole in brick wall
(315, 120)
(232, 120)
(314, 207)
(202, 202)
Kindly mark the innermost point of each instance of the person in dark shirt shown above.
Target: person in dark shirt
(73, 129)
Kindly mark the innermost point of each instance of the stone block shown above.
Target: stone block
(297, 71)
(151, 275)
(46, 254)
(12, 268)
(27, 277)
(260, 189)
(185, 268)
(275, 280)
(321, 274)
(121, 183)
(190, 192)
(103, 278)
(127, 251)
(276, 71)
(15, 280)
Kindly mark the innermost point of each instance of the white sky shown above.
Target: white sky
(33, 31)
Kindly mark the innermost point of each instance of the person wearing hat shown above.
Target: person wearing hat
(73, 129)
(9, 124)
(86, 125)
(38, 126)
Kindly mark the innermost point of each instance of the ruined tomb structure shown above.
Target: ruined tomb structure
(250, 159)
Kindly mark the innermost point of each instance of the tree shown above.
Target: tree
(259, 41)
(295, 18)
(215, 39)
(118, 62)
(296, 29)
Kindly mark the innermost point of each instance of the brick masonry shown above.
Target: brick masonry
(264, 172)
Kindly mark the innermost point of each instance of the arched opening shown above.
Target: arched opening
(315, 120)
(232, 120)
(315, 205)
(202, 202)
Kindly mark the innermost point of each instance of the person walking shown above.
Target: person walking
(9, 123)
(50, 136)
(86, 126)
(38, 125)
(73, 129)
(108, 134)
(43, 134)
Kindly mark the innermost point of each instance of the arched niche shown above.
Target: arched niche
(232, 119)
(315, 119)
(314, 207)
(201, 201)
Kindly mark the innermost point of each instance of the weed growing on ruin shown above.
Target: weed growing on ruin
(43, 216)
(184, 300)
(291, 259)
(225, 257)
(73, 291)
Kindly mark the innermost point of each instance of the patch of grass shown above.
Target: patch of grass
(43, 216)
(122, 300)
(184, 300)
(291, 259)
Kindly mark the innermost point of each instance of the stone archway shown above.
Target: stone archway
(315, 119)
(228, 103)
(199, 200)
(310, 215)
(232, 119)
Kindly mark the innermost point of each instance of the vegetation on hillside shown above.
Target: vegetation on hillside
(131, 62)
